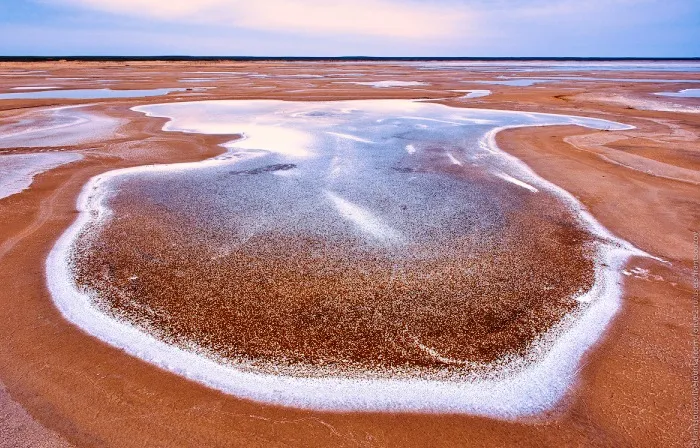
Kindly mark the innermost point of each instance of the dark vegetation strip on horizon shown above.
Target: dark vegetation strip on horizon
(324, 58)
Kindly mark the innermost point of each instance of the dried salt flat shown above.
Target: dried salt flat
(473, 93)
(56, 126)
(685, 93)
(384, 84)
(645, 103)
(521, 82)
(17, 171)
(302, 132)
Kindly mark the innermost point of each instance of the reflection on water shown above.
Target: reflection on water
(385, 156)
(88, 94)
(685, 93)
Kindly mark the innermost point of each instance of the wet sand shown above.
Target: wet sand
(634, 388)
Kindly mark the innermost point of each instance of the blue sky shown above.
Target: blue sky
(605, 28)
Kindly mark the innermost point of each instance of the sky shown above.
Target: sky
(466, 28)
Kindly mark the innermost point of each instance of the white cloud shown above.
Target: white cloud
(388, 18)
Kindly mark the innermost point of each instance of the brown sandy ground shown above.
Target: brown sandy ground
(634, 387)
(19, 429)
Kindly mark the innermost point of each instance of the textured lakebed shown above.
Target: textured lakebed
(385, 242)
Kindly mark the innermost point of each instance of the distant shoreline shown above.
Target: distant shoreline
(337, 58)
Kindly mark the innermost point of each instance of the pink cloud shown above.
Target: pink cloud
(388, 18)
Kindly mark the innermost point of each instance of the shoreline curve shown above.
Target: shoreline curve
(534, 389)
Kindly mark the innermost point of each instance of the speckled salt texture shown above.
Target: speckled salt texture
(17, 171)
(303, 132)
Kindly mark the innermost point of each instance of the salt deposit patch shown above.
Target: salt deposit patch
(17, 171)
(453, 159)
(524, 82)
(517, 182)
(477, 93)
(534, 386)
(685, 93)
(56, 126)
(363, 219)
(350, 137)
(386, 84)
(635, 102)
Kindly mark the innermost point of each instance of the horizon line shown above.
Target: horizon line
(337, 58)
